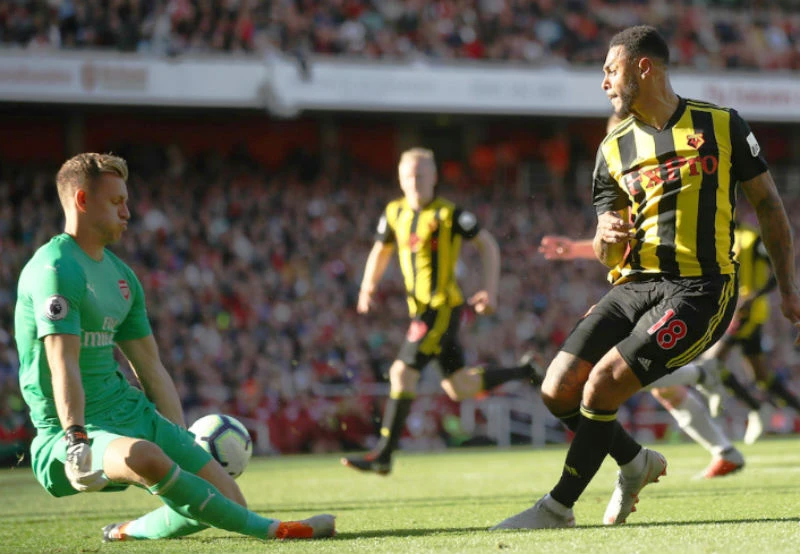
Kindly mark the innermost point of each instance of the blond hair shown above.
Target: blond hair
(83, 170)
(418, 153)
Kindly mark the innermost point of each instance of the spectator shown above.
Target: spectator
(724, 34)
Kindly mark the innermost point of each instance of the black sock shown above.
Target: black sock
(495, 376)
(571, 420)
(623, 447)
(589, 448)
(776, 387)
(394, 421)
(739, 391)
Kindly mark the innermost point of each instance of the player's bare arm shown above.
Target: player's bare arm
(63, 352)
(556, 247)
(776, 234)
(151, 373)
(612, 236)
(63, 355)
(377, 262)
(485, 301)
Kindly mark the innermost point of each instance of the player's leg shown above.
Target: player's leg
(596, 433)
(174, 466)
(688, 317)
(469, 382)
(420, 346)
(424, 340)
(693, 418)
(164, 522)
(681, 319)
(603, 326)
(403, 385)
(141, 462)
(461, 383)
(747, 334)
(610, 382)
(767, 379)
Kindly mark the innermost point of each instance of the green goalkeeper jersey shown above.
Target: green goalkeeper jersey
(63, 291)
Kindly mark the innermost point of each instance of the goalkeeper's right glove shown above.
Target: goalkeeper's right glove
(79, 462)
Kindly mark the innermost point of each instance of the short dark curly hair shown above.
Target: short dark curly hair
(642, 40)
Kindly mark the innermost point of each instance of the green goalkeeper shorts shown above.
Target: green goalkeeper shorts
(135, 417)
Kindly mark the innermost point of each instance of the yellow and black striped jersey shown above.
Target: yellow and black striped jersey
(755, 270)
(428, 244)
(680, 186)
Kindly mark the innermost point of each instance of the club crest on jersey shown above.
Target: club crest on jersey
(696, 140)
(416, 331)
(124, 289)
(414, 242)
(56, 308)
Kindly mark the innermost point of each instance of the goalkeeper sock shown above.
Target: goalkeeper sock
(195, 498)
(162, 523)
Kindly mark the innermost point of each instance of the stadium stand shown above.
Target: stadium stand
(717, 34)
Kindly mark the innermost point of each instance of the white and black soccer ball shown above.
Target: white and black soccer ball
(226, 439)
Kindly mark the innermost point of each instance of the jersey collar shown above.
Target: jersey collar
(674, 118)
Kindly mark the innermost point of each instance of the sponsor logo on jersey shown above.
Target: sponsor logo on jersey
(96, 339)
(124, 289)
(637, 180)
(56, 308)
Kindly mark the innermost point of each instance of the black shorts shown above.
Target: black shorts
(434, 335)
(658, 324)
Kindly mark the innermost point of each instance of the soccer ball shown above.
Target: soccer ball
(226, 439)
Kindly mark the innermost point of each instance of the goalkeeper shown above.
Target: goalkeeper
(96, 432)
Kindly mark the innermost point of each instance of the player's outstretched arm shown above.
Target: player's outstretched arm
(157, 384)
(485, 300)
(556, 247)
(377, 262)
(776, 234)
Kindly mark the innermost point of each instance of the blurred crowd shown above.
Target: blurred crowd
(703, 34)
(251, 279)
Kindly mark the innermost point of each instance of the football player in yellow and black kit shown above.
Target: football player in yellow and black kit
(427, 231)
(664, 189)
(756, 279)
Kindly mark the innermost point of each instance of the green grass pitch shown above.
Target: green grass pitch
(444, 502)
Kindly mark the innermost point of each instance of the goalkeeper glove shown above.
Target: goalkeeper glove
(79, 462)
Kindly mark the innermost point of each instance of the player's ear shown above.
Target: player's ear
(80, 200)
(645, 67)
